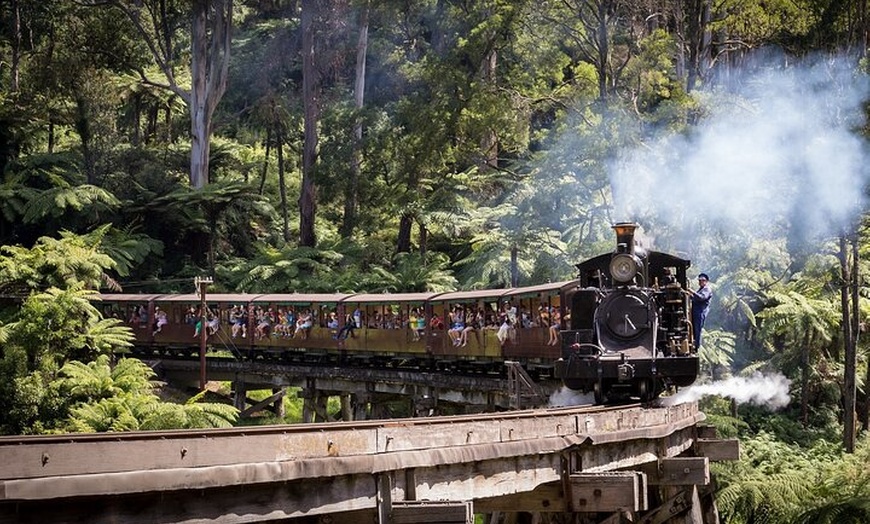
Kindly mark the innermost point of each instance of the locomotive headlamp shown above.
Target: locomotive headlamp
(623, 267)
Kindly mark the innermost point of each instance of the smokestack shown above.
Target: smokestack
(625, 236)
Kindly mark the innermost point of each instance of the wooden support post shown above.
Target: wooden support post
(361, 407)
(309, 414)
(384, 497)
(278, 407)
(320, 406)
(240, 393)
(347, 407)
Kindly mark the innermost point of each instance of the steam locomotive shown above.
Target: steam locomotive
(621, 329)
(630, 333)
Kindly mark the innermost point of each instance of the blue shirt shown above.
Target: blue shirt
(701, 299)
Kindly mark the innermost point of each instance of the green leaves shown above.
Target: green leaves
(121, 398)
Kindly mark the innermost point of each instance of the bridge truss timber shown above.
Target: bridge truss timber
(580, 464)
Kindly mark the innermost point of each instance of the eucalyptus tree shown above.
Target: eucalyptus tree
(209, 24)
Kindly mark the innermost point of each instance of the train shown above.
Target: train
(621, 329)
(630, 332)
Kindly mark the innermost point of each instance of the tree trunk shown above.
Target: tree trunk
(603, 49)
(849, 330)
(16, 47)
(266, 159)
(403, 243)
(699, 40)
(351, 199)
(311, 105)
(83, 128)
(805, 381)
(489, 142)
(210, 52)
(515, 268)
(281, 185)
(424, 240)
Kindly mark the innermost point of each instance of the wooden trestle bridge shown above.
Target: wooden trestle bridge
(579, 464)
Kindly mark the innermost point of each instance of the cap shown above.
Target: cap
(704, 276)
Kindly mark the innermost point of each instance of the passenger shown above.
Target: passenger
(214, 322)
(264, 323)
(290, 321)
(332, 323)
(389, 319)
(282, 328)
(473, 322)
(239, 321)
(421, 324)
(376, 320)
(437, 322)
(555, 326)
(412, 325)
(304, 324)
(457, 325)
(543, 316)
(511, 312)
(161, 319)
(357, 317)
(346, 330)
(504, 329)
(191, 317)
(198, 324)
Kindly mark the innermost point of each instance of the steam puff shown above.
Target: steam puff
(568, 397)
(780, 149)
(762, 390)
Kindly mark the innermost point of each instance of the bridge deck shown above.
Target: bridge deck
(279, 472)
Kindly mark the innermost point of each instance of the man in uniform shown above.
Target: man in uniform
(700, 306)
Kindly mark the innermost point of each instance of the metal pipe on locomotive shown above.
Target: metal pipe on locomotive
(630, 332)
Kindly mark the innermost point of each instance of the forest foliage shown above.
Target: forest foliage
(370, 145)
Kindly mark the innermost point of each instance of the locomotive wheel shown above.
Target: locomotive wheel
(598, 390)
(646, 389)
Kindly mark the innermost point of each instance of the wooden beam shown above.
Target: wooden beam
(706, 432)
(608, 492)
(544, 498)
(446, 511)
(679, 471)
(263, 403)
(718, 450)
(681, 508)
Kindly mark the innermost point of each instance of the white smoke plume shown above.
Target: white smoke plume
(569, 397)
(770, 390)
(779, 148)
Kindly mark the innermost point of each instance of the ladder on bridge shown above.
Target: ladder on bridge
(524, 393)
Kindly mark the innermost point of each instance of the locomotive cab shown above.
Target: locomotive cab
(629, 333)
